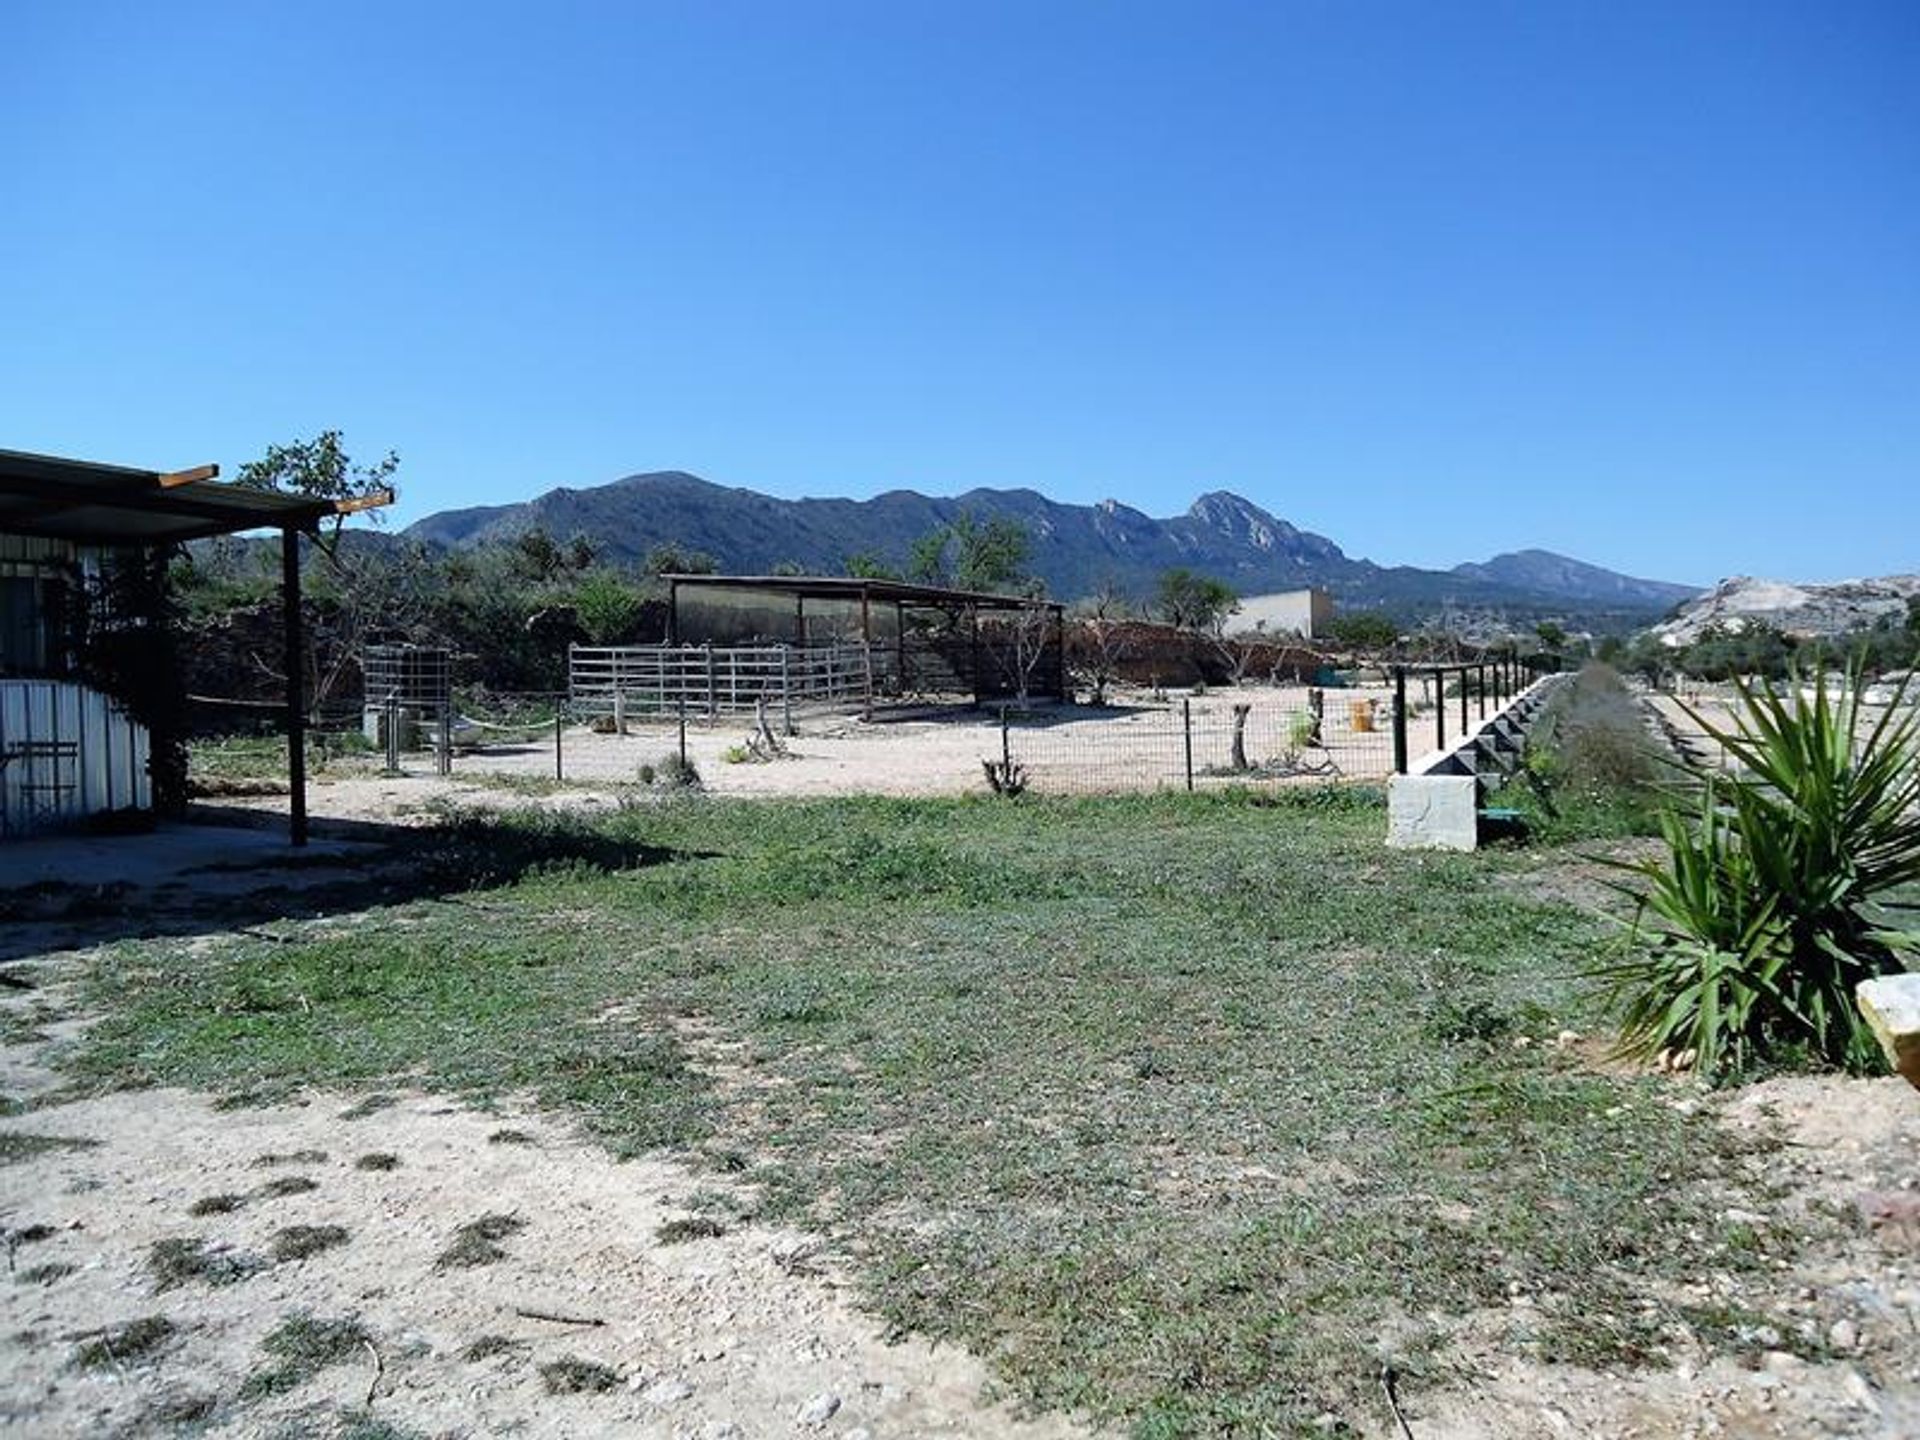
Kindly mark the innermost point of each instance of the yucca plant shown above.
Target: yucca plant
(1776, 894)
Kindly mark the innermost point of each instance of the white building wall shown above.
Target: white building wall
(1305, 613)
(106, 768)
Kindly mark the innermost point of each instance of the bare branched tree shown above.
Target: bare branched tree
(1102, 621)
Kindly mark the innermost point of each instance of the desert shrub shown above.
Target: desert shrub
(1776, 895)
(671, 770)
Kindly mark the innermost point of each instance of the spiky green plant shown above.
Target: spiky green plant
(1776, 894)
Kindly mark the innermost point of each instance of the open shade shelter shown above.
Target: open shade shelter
(804, 608)
(117, 507)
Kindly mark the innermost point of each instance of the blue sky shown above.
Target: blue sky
(1638, 282)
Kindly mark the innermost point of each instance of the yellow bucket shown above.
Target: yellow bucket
(1360, 716)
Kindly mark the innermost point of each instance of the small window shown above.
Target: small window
(23, 625)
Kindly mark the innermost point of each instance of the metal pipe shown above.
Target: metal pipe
(1399, 719)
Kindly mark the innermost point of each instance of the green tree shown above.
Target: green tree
(1192, 601)
(973, 555)
(668, 558)
(1552, 636)
(866, 565)
(319, 468)
(609, 608)
(1364, 630)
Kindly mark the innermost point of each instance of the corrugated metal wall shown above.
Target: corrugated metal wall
(97, 760)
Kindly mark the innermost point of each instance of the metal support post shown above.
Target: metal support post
(1186, 726)
(296, 665)
(1399, 719)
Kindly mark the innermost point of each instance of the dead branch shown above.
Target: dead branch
(1393, 1401)
(553, 1319)
(379, 1372)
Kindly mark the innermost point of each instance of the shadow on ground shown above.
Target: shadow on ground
(231, 869)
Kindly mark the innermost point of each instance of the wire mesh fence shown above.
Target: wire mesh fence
(1253, 735)
(1241, 738)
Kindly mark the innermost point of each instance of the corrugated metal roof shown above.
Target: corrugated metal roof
(95, 504)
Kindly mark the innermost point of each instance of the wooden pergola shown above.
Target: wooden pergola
(118, 507)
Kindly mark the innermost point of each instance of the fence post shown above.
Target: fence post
(1186, 726)
(683, 732)
(1006, 747)
(1480, 678)
(786, 684)
(444, 749)
(713, 694)
(558, 720)
(1399, 719)
(1439, 710)
(619, 710)
(1463, 702)
(393, 733)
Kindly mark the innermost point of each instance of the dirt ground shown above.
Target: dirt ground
(1837, 1148)
(751, 1332)
(744, 1333)
(1137, 744)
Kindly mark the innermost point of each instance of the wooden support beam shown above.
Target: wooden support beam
(373, 500)
(173, 478)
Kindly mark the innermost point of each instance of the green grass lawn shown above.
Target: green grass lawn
(1186, 1111)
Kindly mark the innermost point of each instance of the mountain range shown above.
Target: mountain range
(1076, 549)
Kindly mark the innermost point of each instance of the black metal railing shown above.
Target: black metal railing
(1481, 689)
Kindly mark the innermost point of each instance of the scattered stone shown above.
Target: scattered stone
(670, 1391)
(820, 1409)
(1859, 1392)
(1843, 1335)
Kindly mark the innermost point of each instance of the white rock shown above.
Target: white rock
(1891, 1007)
(669, 1391)
(820, 1409)
(1843, 1335)
(1860, 1392)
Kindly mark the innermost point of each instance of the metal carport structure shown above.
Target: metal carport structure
(117, 507)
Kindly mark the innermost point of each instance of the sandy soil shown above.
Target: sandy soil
(744, 1334)
(1139, 744)
(1836, 1147)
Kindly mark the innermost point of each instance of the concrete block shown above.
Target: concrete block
(1433, 812)
(1891, 1006)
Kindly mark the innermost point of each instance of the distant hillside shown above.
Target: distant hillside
(1076, 548)
(1546, 573)
(1806, 611)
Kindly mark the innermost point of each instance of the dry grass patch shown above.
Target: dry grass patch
(477, 1242)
